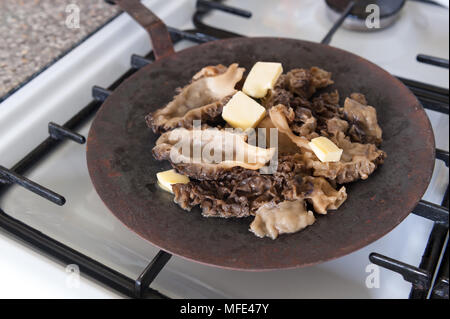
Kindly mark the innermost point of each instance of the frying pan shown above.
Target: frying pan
(123, 170)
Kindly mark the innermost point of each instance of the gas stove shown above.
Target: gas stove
(83, 236)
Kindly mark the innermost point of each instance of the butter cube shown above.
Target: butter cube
(167, 178)
(261, 78)
(325, 149)
(243, 112)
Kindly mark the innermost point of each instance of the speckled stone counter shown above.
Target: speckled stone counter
(33, 33)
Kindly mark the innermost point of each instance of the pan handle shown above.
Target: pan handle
(157, 30)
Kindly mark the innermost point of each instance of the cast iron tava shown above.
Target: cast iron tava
(123, 170)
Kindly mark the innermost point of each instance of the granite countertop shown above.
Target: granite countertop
(33, 33)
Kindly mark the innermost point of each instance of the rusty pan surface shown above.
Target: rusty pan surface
(123, 170)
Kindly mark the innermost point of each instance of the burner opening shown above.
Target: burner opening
(363, 12)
